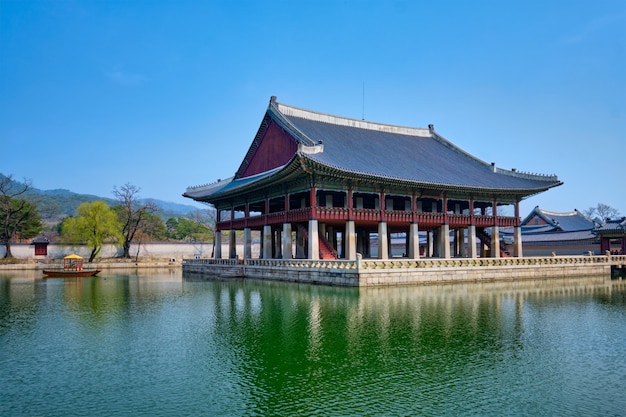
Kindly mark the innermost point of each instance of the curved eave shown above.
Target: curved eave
(407, 182)
(287, 171)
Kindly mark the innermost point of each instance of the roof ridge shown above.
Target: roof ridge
(556, 213)
(293, 111)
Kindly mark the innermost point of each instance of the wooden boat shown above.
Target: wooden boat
(72, 267)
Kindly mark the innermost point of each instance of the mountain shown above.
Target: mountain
(54, 205)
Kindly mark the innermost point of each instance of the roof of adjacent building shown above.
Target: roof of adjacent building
(613, 225)
(419, 157)
(565, 222)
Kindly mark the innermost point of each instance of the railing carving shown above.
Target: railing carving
(403, 263)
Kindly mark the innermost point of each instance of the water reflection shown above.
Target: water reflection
(161, 345)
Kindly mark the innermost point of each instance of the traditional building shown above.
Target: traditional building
(318, 186)
(613, 236)
(546, 233)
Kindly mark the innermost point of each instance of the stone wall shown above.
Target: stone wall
(403, 272)
(151, 250)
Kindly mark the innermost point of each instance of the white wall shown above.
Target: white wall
(150, 250)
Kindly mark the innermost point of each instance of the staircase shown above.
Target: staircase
(486, 239)
(326, 249)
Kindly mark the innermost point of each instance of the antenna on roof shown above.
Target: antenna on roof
(363, 111)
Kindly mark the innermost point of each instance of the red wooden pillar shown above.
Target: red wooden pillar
(471, 210)
(517, 218)
(383, 215)
(495, 212)
(350, 205)
(445, 210)
(285, 219)
(313, 203)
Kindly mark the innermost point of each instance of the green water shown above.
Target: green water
(156, 344)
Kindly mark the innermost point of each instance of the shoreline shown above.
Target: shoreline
(35, 265)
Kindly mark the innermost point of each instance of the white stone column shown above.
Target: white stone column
(517, 242)
(267, 241)
(383, 244)
(314, 241)
(287, 241)
(350, 240)
(471, 241)
(495, 242)
(247, 243)
(444, 232)
(414, 241)
(232, 245)
(429, 244)
(218, 244)
(278, 243)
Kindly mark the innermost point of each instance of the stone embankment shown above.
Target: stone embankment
(36, 264)
(364, 273)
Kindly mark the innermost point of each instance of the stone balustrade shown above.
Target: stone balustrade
(370, 272)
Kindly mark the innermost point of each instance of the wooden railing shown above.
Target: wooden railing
(428, 219)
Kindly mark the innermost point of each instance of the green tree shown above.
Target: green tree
(187, 230)
(131, 214)
(95, 224)
(19, 217)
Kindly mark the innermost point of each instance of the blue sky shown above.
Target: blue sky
(167, 94)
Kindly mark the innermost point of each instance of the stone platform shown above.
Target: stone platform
(364, 273)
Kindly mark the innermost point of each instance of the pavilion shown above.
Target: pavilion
(319, 186)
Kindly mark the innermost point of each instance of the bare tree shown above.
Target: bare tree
(131, 213)
(602, 211)
(19, 216)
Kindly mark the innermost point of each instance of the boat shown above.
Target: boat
(73, 266)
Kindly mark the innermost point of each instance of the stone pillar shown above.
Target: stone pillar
(495, 242)
(471, 241)
(383, 243)
(429, 244)
(444, 232)
(277, 241)
(267, 242)
(414, 241)
(247, 243)
(461, 235)
(300, 245)
(218, 244)
(517, 242)
(287, 244)
(350, 241)
(314, 242)
(232, 245)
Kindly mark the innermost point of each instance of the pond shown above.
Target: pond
(153, 343)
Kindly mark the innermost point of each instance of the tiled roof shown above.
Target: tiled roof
(417, 156)
(409, 154)
(567, 222)
(550, 236)
(613, 225)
